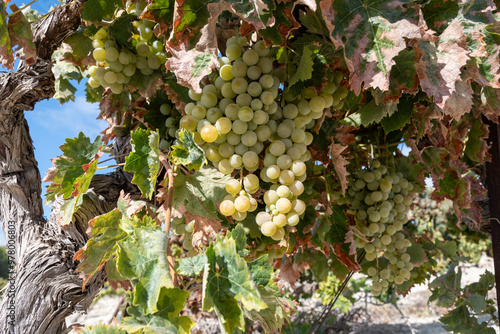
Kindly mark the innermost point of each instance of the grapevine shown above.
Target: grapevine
(269, 142)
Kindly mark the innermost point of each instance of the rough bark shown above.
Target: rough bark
(44, 289)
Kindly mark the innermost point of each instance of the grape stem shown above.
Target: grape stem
(113, 158)
(111, 166)
(168, 214)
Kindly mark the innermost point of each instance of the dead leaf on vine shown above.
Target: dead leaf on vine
(20, 34)
(349, 262)
(460, 101)
(204, 228)
(340, 163)
(289, 271)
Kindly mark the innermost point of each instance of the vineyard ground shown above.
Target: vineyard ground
(414, 315)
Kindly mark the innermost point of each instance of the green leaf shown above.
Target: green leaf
(96, 10)
(284, 23)
(81, 45)
(477, 303)
(121, 30)
(486, 283)
(372, 34)
(240, 238)
(371, 113)
(338, 225)
(165, 320)
(154, 117)
(144, 161)
(106, 233)
(202, 63)
(142, 259)
(400, 118)
(77, 152)
(103, 329)
(186, 152)
(227, 281)
(475, 141)
(65, 91)
(191, 266)
(6, 53)
(261, 270)
(161, 11)
(417, 254)
(275, 316)
(305, 68)
(200, 192)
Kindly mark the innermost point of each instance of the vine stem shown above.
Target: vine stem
(458, 294)
(53, 10)
(113, 158)
(111, 166)
(168, 215)
(22, 8)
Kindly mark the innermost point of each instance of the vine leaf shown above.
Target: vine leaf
(20, 34)
(186, 152)
(460, 101)
(6, 53)
(191, 266)
(96, 10)
(142, 259)
(372, 34)
(339, 163)
(67, 168)
(227, 281)
(305, 67)
(101, 328)
(200, 192)
(165, 320)
(371, 113)
(144, 161)
(439, 63)
(106, 232)
(284, 23)
(190, 64)
(274, 317)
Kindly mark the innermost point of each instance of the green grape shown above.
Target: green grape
(251, 57)
(243, 100)
(99, 54)
(239, 85)
(250, 160)
(226, 72)
(239, 126)
(254, 72)
(239, 69)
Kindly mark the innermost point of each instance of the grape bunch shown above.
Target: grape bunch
(379, 200)
(180, 228)
(116, 65)
(171, 122)
(239, 201)
(243, 123)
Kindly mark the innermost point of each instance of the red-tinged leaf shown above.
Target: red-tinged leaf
(116, 110)
(204, 228)
(349, 239)
(340, 163)
(20, 34)
(347, 260)
(285, 22)
(290, 271)
(106, 232)
(190, 64)
(372, 34)
(6, 53)
(439, 63)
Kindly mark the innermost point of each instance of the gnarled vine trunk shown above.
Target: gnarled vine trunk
(44, 289)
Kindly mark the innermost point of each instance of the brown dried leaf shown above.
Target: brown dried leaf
(350, 263)
(340, 163)
(20, 34)
(460, 101)
(290, 271)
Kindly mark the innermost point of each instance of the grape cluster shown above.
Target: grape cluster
(380, 200)
(239, 201)
(115, 66)
(179, 227)
(171, 122)
(243, 123)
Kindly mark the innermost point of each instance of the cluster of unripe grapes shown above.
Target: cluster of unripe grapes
(171, 122)
(115, 66)
(242, 114)
(239, 201)
(379, 200)
(180, 228)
